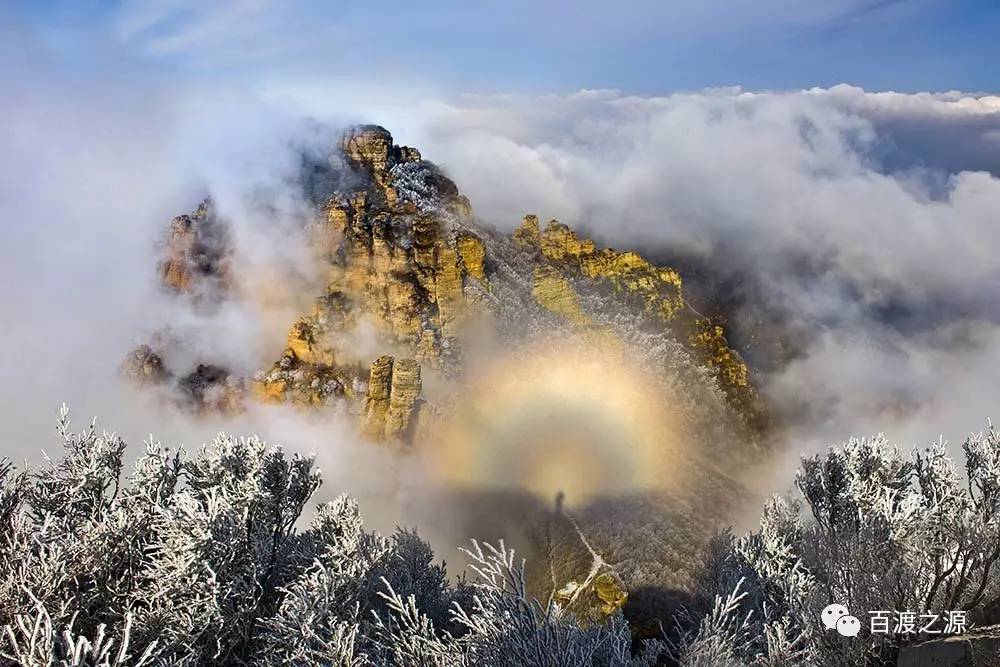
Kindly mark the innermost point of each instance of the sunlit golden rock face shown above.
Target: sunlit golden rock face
(399, 253)
(396, 252)
(392, 402)
(370, 147)
(596, 600)
(314, 369)
(403, 399)
(377, 398)
(561, 257)
(408, 274)
(528, 234)
(309, 384)
(472, 251)
(305, 344)
(559, 242)
(659, 287)
(711, 340)
(610, 593)
(197, 254)
(552, 290)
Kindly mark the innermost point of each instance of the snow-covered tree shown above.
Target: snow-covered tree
(202, 559)
(198, 560)
(871, 528)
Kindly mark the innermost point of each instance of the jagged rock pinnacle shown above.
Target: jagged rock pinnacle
(401, 254)
(371, 148)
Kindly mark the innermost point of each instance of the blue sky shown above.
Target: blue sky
(644, 46)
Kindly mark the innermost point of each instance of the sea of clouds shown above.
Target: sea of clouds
(868, 219)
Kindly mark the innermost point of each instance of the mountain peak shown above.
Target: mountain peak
(402, 253)
(371, 148)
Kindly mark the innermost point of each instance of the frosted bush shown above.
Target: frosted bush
(871, 528)
(197, 560)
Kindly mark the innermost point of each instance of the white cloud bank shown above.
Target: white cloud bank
(872, 219)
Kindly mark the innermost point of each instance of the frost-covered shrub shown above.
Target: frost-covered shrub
(872, 529)
(197, 560)
(503, 626)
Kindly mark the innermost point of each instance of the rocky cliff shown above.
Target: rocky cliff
(197, 254)
(406, 265)
(402, 251)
